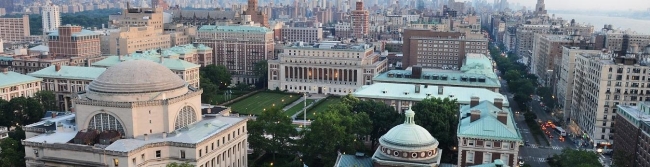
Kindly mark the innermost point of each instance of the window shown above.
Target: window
(487, 158)
(505, 158)
(470, 143)
(133, 160)
(116, 162)
(36, 152)
(186, 116)
(470, 157)
(182, 154)
(103, 122)
(505, 145)
(488, 144)
(200, 152)
(142, 157)
(158, 154)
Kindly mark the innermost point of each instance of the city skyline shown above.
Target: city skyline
(588, 4)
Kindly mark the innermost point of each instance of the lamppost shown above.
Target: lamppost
(304, 112)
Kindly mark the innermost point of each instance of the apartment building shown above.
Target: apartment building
(303, 34)
(444, 50)
(547, 51)
(525, 34)
(477, 141)
(566, 74)
(51, 16)
(614, 40)
(14, 85)
(193, 53)
(343, 29)
(238, 47)
(72, 41)
(138, 17)
(633, 135)
(25, 64)
(324, 68)
(137, 38)
(14, 29)
(360, 21)
(601, 83)
(66, 81)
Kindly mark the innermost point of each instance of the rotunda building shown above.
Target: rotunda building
(138, 97)
(407, 144)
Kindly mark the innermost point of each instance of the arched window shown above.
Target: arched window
(103, 122)
(185, 117)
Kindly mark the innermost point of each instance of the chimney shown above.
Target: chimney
(475, 115)
(498, 102)
(440, 90)
(5, 70)
(57, 67)
(164, 135)
(502, 116)
(161, 59)
(146, 137)
(209, 110)
(474, 101)
(417, 88)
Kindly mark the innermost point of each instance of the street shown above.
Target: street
(535, 154)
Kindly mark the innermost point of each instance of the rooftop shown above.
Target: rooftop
(407, 92)
(487, 126)
(69, 72)
(171, 62)
(636, 114)
(82, 33)
(358, 160)
(11, 78)
(328, 45)
(233, 28)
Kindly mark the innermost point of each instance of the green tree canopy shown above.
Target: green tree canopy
(335, 130)
(278, 125)
(511, 75)
(440, 118)
(12, 153)
(25, 110)
(383, 117)
(218, 75)
(209, 90)
(261, 70)
(47, 99)
(575, 158)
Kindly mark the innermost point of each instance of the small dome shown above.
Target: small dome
(409, 134)
(136, 76)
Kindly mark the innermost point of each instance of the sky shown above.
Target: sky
(588, 4)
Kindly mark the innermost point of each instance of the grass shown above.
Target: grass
(220, 98)
(255, 104)
(321, 107)
(298, 107)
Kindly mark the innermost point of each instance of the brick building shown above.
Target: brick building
(256, 16)
(72, 41)
(432, 49)
(633, 135)
(360, 21)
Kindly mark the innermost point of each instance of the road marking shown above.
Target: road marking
(557, 148)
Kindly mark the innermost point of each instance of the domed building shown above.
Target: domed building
(407, 144)
(137, 113)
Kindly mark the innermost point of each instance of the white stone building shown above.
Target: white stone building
(137, 113)
(14, 84)
(325, 68)
(51, 17)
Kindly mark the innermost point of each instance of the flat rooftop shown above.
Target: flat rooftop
(397, 91)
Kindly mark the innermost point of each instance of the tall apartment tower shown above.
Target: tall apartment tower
(51, 17)
(256, 16)
(540, 8)
(159, 4)
(359, 19)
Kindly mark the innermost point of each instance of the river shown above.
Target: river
(640, 26)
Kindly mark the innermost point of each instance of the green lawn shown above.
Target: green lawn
(256, 103)
(321, 107)
(220, 98)
(297, 108)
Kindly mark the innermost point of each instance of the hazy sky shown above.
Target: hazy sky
(588, 4)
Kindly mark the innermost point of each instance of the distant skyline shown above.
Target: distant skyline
(588, 4)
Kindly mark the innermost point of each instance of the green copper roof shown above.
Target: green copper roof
(487, 126)
(233, 28)
(345, 160)
(478, 64)
(171, 63)
(12, 78)
(184, 49)
(77, 34)
(69, 72)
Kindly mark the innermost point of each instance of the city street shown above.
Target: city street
(534, 154)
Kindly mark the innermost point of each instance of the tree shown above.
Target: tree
(11, 154)
(261, 70)
(209, 90)
(47, 99)
(278, 125)
(440, 118)
(383, 117)
(25, 111)
(184, 164)
(511, 75)
(335, 130)
(623, 158)
(6, 115)
(218, 75)
(577, 158)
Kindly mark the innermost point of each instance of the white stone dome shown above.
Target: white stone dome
(136, 76)
(408, 135)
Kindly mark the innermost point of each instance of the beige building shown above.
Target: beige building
(238, 47)
(614, 40)
(302, 34)
(138, 17)
(131, 39)
(66, 81)
(564, 86)
(14, 85)
(324, 68)
(137, 113)
(27, 64)
(601, 83)
(14, 29)
(547, 51)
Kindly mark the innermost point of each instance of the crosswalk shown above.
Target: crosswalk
(534, 159)
(552, 147)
